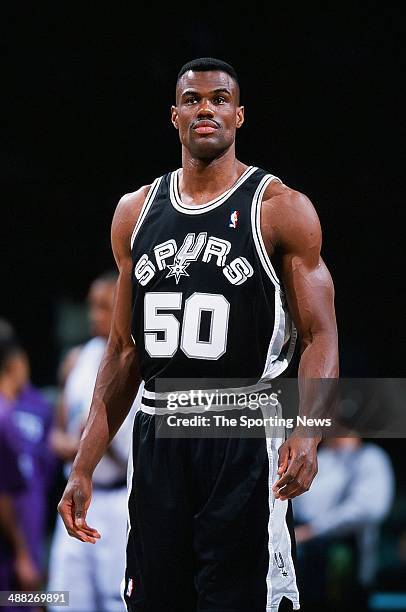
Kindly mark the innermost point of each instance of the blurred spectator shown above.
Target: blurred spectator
(92, 574)
(391, 577)
(32, 416)
(338, 523)
(64, 444)
(18, 569)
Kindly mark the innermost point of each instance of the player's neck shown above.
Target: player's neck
(203, 180)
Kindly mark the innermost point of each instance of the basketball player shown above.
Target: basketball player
(198, 295)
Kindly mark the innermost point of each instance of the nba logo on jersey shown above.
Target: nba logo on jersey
(130, 587)
(234, 219)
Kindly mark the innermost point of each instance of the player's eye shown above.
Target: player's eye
(219, 100)
(191, 100)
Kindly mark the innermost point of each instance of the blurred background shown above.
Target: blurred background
(87, 94)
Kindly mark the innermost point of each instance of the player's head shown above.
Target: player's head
(207, 112)
(14, 367)
(100, 301)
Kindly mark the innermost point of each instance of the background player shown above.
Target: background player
(18, 568)
(92, 576)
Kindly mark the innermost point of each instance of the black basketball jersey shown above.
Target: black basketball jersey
(206, 299)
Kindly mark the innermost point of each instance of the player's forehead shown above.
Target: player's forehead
(205, 82)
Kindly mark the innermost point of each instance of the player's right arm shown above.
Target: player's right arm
(117, 381)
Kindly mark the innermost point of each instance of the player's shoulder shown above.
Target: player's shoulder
(279, 195)
(127, 212)
(289, 216)
(283, 205)
(130, 204)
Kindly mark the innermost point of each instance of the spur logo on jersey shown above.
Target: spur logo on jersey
(176, 261)
(234, 219)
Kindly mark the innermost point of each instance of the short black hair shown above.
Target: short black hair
(204, 64)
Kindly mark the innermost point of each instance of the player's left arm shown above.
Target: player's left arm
(294, 230)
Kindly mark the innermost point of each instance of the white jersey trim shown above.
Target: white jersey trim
(145, 207)
(274, 366)
(276, 342)
(198, 209)
(130, 473)
(278, 584)
(259, 386)
(150, 395)
(256, 227)
(279, 365)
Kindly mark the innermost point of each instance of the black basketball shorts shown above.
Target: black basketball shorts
(205, 533)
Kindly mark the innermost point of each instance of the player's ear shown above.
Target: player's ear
(174, 116)
(240, 116)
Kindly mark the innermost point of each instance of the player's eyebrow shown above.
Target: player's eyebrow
(222, 90)
(189, 92)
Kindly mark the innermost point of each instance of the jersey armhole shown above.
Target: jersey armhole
(145, 208)
(256, 228)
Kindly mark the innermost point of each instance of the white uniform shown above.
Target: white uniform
(92, 573)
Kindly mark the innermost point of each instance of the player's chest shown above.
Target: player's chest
(175, 247)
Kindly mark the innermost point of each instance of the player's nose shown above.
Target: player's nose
(205, 110)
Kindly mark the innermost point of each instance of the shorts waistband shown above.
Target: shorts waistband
(201, 400)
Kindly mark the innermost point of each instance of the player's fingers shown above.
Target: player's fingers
(84, 528)
(81, 535)
(289, 475)
(283, 458)
(90, 531)
(301, 483)
(293, 490)
(290, 494)
(65, 511)
(79, 510)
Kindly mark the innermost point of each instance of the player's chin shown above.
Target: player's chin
(206, 147)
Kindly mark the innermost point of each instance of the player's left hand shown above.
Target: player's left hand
(297, 466)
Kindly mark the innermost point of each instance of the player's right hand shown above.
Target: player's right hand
(73, 508)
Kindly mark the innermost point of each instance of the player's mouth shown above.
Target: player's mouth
(205, 126)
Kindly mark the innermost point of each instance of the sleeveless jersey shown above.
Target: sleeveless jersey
(207, 302)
